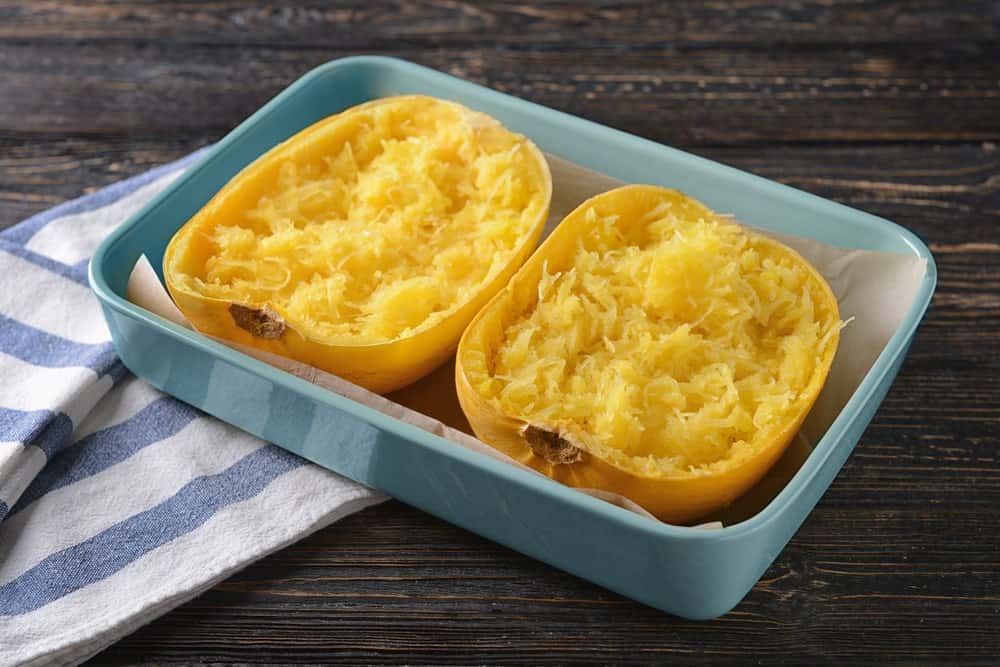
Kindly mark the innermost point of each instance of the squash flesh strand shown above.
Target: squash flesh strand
(387, 234)
(675, 345)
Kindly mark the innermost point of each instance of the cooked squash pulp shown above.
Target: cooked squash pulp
(674, 342)
(401, 222)
(369, 227)
(661, 339)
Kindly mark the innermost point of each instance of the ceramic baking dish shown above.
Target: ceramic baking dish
(695, 573)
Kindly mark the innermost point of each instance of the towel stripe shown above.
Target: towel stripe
(291, 507)
(75, 513)
(76, 272)
(117, 370)
(20, 465)
(42, 348)
(121, 404)
(103, 449)
(29, 387)
(41, 428)
(108, 552)
(48, 301)
(72, 238)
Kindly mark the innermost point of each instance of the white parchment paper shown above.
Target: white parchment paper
(876, 289)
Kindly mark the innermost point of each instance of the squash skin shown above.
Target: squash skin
(381, 367)
(678, 497)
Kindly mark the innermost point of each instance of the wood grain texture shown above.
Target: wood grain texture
(422, 23)
(690, 72)
(679, 96)
(36, 174)
(890, 107)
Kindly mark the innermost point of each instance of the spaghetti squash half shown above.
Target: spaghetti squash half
(365, 244)
(653, 349)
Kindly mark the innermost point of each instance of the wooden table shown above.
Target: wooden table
(891, 107)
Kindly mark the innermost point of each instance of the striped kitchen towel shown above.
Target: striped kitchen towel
(117, 502)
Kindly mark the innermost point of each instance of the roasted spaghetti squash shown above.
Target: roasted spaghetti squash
(366, 243)
(650, 348)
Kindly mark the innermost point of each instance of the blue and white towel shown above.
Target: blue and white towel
(117, 502)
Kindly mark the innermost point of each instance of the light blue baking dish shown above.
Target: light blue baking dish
(698, 574)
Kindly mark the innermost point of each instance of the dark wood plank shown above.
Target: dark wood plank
(709, 94)
(425, 23)
(37, 174)
(355, 594)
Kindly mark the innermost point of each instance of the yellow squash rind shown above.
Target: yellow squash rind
(554, 449)
(380, 366)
